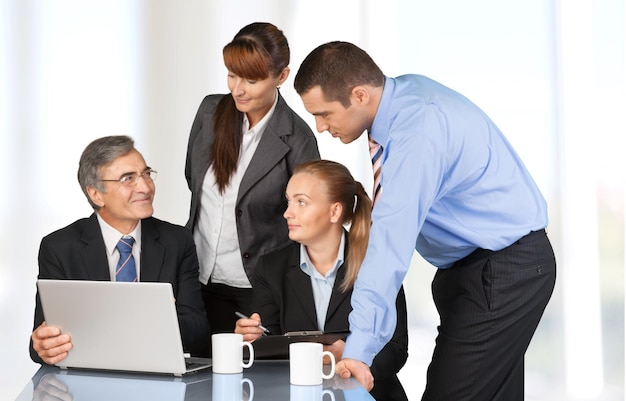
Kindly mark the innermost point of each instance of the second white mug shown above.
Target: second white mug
(227, 351)
(306, 364)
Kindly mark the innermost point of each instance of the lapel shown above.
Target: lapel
(95, 266)
(337, 298)
(300, 285)
(271, 148)
(152, 251)
(205, 143)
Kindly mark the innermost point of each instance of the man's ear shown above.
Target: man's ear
(95, 196)
(361, 94)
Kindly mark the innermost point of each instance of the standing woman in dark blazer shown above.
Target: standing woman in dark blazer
(242, 149)
(307, 284)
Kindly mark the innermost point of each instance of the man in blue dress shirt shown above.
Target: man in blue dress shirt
(453, 189)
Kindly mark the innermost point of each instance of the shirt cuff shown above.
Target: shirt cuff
(362, 347)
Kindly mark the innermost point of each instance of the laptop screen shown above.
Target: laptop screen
(115, 325)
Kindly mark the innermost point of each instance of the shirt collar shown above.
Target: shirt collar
(380, 126)
(259, 128)
(307, 266)
(111, 236)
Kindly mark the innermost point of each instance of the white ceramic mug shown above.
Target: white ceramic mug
(309, 393)
(230, 387)
(228, 353)
(306, 366)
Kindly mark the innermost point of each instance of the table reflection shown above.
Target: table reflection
(232, 387)
(78, 386)
(265, 381)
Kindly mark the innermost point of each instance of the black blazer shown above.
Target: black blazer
(168, 254)
(283, 296)
(286, 142)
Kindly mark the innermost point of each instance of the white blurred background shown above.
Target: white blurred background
(550, 73)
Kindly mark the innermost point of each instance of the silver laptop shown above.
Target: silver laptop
(118, 325)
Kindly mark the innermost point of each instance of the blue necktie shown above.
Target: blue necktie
(126, 266)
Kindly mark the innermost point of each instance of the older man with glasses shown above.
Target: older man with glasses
(120, 241)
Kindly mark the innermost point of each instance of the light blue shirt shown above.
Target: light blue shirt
(322, 284)
(451, 183)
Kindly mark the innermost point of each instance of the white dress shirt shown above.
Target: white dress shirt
(216, 237)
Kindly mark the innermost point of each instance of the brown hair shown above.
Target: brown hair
(357, 209)
(337, 67)
(257, 51)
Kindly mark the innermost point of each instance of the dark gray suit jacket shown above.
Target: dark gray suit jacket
(286, 142)
(168, 255)
(283, 297)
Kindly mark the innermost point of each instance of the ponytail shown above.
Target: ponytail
(358, 236)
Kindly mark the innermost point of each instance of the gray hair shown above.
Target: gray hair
(97, 154)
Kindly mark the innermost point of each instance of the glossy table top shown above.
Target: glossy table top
(264, 381)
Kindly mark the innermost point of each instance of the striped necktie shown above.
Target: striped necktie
(126, 270)
(376, 153)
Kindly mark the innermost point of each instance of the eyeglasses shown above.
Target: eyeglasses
(130, 180)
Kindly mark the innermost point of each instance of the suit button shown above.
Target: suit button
(239, 212)
(246, 255)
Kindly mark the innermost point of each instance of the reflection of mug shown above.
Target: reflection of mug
(309, 393)
(306, 364)
(229, 387)
(228, 353)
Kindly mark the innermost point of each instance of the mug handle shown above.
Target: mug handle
(251, 386)
(251, 351)
(332, 365)
(329, 392)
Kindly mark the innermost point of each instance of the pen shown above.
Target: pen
(241, 315)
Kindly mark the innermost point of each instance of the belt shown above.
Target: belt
(481, 253)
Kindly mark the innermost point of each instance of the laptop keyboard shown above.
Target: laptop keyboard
(195, 363)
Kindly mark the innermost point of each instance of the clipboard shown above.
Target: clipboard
(277, 346)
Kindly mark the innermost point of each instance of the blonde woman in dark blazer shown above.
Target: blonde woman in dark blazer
(242, 150)
(307, 284)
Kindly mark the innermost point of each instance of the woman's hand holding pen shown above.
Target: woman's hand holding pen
(250, 328)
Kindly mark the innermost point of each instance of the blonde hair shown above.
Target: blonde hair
(357, 209)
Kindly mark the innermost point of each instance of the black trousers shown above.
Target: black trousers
(221, 302)
(490, 304)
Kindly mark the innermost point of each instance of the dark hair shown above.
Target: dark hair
(337, 67)
(98, 154)
(257, 51)
(357, 209)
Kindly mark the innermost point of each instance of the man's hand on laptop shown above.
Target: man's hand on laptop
(50, 344)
